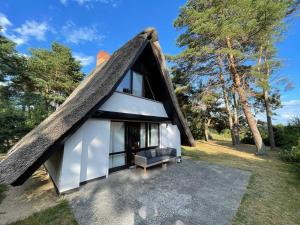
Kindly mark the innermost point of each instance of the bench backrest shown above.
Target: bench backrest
(151, 153)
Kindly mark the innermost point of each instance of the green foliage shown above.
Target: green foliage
(31, 88)
(224, 134)
(248, 138)
(291, 154)
(213, 30)
(59, 214)
(55, 73)
(289, 140)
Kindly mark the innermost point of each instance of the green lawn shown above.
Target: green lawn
(60, 214)
(272, 196)
(273, 193)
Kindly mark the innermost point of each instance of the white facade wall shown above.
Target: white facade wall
(95, 149)
(53, 165)
(86, 154)
(170, 137)
(125, 103)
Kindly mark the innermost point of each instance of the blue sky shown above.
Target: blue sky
(87, 26)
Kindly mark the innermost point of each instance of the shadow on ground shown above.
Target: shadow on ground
(36, 194)
(193, 192)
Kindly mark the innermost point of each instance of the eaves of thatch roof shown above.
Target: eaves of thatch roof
(37, 146)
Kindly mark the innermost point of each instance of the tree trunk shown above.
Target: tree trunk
(236, 126)
(261, 149)
(206, 131)
(269, 119)
(268, 106)
(229, 114)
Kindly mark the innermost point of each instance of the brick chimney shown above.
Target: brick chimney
(102, 56)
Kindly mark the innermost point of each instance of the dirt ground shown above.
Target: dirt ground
(36, 194)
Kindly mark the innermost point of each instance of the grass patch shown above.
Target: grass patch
(60, 214)
(273, 192)
(3, 189)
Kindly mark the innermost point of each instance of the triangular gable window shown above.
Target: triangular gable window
(136, 84)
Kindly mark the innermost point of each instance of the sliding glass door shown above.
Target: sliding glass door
(117, 150)
(128, 138)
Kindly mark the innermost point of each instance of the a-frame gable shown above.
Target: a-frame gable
(38, 145)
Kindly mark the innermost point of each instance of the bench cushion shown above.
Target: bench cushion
(158, 159)
(158, 154)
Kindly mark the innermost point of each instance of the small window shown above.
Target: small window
(143, 135)
(125, 85)
(117, 145)
(137, 84)
(153, 134)
(132, 83)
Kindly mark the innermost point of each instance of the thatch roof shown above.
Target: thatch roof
(37, 146)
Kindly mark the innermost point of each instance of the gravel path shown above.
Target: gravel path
(190, 193)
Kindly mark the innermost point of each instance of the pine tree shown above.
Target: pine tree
(12, 120)
(55, 74)
(230, 29)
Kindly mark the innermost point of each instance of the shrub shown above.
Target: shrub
(248, 138)
(291, 154)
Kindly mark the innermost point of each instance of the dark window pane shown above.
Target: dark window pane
(124, 86)
(137, 85)
(153, 134)
(143, 135)
(147, 90)
(117, 137)
(116, 160)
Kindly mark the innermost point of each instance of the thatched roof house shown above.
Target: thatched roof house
(97, 104)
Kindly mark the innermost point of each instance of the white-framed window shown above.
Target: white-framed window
(132, 83)
(117, 142)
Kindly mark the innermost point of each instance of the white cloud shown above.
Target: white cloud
(292, 103)
(4, 22)
(20, 35)
(17, 40)
(33, 29)
(89, 3)
(84, 60)
(74, 34)
(289, 110)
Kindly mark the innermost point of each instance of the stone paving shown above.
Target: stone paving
(187, 193)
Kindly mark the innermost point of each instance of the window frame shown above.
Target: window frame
(112, 154)
(148, 133)
(131, 74)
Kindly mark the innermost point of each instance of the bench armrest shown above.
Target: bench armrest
(140, 160)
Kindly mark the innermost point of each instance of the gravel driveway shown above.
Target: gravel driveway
(192, 192)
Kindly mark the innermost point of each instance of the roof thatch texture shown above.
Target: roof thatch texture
(37, 146)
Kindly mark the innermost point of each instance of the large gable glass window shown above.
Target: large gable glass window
(137, 84)
(132, 83)
(125, 85)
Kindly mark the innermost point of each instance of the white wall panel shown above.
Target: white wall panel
(125, 103)
(70, 172)
(86, 154)
(170, 137)
(95, 149)
(53, 166)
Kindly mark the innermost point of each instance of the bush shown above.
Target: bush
(286, 137)
(248, 138)
(291, 154)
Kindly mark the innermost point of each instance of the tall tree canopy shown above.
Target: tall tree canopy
(221, 41)
(55, 73)
(32, 87)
